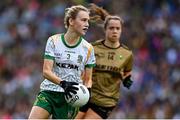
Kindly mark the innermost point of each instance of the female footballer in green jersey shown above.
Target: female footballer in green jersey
(113, 66)
(67, 57)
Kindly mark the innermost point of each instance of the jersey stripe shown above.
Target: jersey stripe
(48, 57)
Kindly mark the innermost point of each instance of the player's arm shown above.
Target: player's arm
(90, 64)
(126, 75)
(88, 77)
(49, 61)
(47, 71)
(48, 74)
(87, 80)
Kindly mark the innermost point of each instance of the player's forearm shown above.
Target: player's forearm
(51, 76)
(126, 74)
(88, 83)
(88, 78)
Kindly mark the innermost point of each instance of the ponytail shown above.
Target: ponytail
(99, 14)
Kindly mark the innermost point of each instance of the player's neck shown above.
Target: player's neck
(112, 44)
(71, 38)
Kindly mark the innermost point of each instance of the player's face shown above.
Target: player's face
(81, 22)
(113, 30)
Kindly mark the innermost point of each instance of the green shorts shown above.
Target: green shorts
(55, 104)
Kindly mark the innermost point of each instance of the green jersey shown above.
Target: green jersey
(69, 61)
(110, 62)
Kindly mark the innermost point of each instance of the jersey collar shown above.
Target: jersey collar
(73, 46)
(103, 42)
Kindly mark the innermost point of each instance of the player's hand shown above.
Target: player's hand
(69, 88)
(127, 82)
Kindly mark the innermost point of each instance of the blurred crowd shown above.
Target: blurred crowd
(151, 29)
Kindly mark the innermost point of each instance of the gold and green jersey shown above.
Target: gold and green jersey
(110, 62)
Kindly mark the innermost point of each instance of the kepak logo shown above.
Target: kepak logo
(66, 65)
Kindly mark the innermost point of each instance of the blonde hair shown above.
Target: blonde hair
(72, 13)
(99, 14)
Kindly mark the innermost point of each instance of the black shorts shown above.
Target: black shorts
(104, 112)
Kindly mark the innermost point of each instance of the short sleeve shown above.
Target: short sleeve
(49, 49)
(129, 64)
(91, 61)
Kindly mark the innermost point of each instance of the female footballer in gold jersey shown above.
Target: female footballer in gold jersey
(113, 65)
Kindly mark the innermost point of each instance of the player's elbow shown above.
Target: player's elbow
(45, 73)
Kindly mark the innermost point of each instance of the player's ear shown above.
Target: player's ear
(71, 21)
